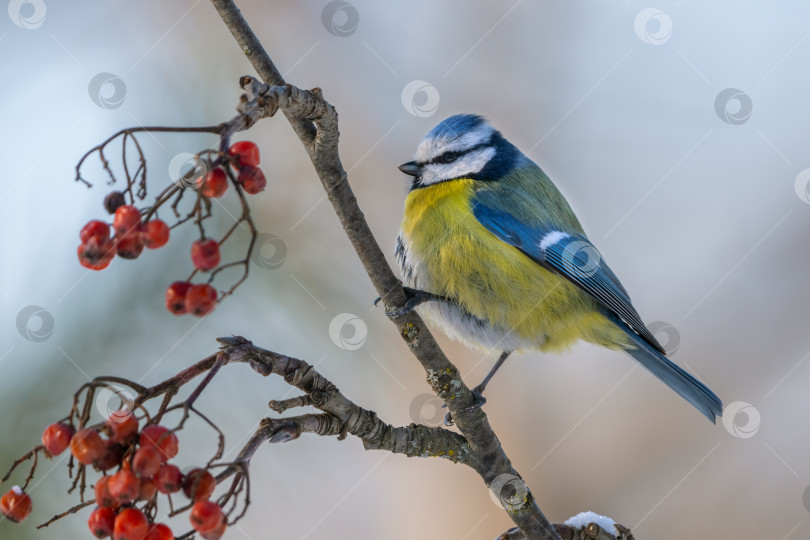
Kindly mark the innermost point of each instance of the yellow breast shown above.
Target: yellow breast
(453, 255)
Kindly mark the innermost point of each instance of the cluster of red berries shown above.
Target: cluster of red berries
(129, 238)
(143, 470)
(130, 235)
(244, 158)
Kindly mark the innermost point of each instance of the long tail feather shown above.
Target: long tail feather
(691, 389)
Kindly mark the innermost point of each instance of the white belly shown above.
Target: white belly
(451, 318)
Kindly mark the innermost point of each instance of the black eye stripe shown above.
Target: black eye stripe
(438, 159)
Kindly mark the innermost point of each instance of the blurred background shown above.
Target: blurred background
(678, 133)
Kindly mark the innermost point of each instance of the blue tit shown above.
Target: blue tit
(493, 255)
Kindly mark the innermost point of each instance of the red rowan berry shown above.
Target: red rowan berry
(113, 454)
(251, 179)
(155, 234)
(199, 484)
(176, 297)
(96, 256)
(148, 489)
(245, 153)
(130, 524)
(215, 533)
(129, 245)
(205, 254)
(159, 531)
(146, 461)
(95, 229)
(123, 425)
(124, 486)
(127, 219)
(215, 184)
(205, 516)
(161, 438)
(201, 299)
(56, 438)
(168, 479)
(15, 504)
(102, 522)
(86, 445)
(102, 491)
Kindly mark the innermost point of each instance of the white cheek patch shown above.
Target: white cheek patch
(466, 165)
(552, 238)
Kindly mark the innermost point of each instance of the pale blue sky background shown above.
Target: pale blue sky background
(703, 220)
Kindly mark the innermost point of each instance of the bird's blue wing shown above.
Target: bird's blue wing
(570, 255)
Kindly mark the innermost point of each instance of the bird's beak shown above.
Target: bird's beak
(411, 168)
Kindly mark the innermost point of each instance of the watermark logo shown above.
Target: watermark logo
(27, 14)
(420, 99)
(806, 498)
(35, 323)
(427, 409)
(340, 18)
(653, 26)
(107, 90)
(802, 186)
(741, 419)
(667, 335)
(188, 170)
(270, 251)
(509, 492)
(581, 259)
(733, 106)
(348, 331)
(114, 402)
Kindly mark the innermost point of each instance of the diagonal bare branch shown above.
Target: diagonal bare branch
(318, 131)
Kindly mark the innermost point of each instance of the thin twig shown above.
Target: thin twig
(67, 512)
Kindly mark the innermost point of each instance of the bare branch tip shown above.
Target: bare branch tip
(232, 341)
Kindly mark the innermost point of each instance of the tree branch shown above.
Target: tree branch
(343, 415)
(259, 58)
(321, 142)
(591, 531)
